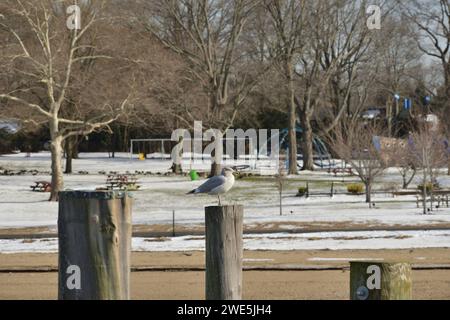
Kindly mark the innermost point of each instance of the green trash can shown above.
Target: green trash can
(193, 174)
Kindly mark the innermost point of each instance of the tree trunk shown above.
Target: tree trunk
(177, 156)
(216, 166)
(57, 173)
(424, 197)
(431, 190)
(389, 117)
(281, 201)
(292, 122)
(368, 186)
(216, 169)
(68, 163)
(307, 142)
(70, 147)
(176, 168)
(406, 181)
(447, 92)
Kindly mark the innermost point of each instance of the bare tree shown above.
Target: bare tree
(207, 34)
(397, 59)
(406, 166)
(433, 19)
(319, 45)
(288, 22)
(39, 56)
(280, 182)
(345, 50)
(397, 153)
(356, 144)
(429, 154)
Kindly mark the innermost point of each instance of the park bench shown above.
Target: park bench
(122, 182)
(41, 186)
(406, 193)
(336, 171)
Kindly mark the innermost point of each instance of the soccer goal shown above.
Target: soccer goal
(239, 149)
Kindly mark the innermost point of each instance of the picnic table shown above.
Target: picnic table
(122, 182)
(41, 186)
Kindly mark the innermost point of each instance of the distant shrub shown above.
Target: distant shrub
(428, 187)
(302, 191)
(355, 188)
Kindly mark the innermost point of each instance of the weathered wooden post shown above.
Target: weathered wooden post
(224, 251)
(380, 281)
(94, 230)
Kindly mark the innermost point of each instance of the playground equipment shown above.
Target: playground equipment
(322, 157)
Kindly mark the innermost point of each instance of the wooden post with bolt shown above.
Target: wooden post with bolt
(224, 252)
(94, 231)
(380, 281)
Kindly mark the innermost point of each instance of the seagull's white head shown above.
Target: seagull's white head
(227, 171)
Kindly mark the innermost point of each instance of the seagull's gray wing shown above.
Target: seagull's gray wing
(211, 184)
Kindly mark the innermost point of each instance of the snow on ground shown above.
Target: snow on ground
(278, 241)
(95, 161)
(160, 195)
(19, 207)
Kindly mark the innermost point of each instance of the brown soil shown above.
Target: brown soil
(166, 229)
(273, 284)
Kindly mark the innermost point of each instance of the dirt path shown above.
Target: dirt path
(165, 230)
(334, 284)
(251, 258)
(270, 285)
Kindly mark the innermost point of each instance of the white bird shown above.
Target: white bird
(217, 185)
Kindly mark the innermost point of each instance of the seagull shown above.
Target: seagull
(217, 185)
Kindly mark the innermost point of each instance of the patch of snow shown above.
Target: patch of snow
(344, 259)
(256, 260)
(277, 242)
(160, 195)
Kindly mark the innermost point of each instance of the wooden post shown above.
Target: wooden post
(94, 230)
(332, 189)
(224, 251)
(380, 281)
